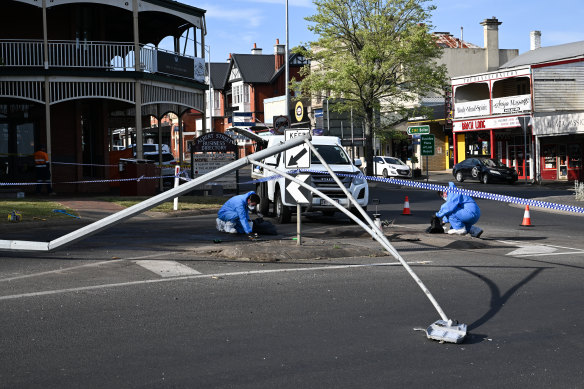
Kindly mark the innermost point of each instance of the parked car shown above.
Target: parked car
(391, 167)
(484, 170)
(151, 148)
(167, 168)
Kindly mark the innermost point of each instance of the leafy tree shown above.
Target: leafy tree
(376, 55)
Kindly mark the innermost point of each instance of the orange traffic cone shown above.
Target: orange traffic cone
(526, 218)
(406, 207)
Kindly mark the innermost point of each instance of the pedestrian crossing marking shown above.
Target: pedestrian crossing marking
(167, 269)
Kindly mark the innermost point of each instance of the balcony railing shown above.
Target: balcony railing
(111, 56)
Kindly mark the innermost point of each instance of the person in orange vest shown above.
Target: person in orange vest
(42, 171)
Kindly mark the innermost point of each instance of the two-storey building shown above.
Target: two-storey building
(529, 113)
(74, 71)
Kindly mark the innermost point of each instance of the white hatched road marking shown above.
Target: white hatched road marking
(537, 250)
(197, 276)
(167, 268)
(95, 264)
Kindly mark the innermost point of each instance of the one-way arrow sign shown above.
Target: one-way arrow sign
(299, 194)
(297, 157)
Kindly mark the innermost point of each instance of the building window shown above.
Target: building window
(245, 93)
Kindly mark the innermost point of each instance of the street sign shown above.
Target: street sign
(297, 157)
(296, 193)
(427, 144)
(299, 111)
(412, 130)
(280, 124)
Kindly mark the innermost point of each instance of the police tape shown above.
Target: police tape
(138, 179)
(438, 187)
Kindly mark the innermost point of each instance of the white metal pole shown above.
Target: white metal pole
(211, 93)
(286, 67)
(298, 225)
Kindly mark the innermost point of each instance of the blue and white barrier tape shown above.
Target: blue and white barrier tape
(436, 187)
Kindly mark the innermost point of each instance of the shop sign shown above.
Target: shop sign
(177, 65)
(214, 142)
(484, 124)
(513, 104)
(474, 108)
(558, 124)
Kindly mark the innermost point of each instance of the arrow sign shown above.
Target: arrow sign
(298, 194)
(295, 158)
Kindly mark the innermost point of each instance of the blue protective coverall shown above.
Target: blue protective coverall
(459, 210)
(235, 210)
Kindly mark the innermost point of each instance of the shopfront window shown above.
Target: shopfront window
(549, 156)
(477, 144)
(574, 156)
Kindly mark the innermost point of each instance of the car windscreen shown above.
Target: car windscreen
(492, 163)
(393, 161)
(332, 154)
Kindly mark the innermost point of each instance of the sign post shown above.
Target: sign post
(427, 149)
(296, 193)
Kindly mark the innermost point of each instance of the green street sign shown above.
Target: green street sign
(427, 144)
(415, 130)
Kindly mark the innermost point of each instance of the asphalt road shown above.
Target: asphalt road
(94, 315)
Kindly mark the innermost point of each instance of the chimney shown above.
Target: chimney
(256, 50)
(534, 40)
(491, 35)
(279, 53)
(229, 59)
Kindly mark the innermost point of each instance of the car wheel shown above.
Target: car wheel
(384, 173)
(485, 178)
(262, 191)
(283, 213)
(475, 172)
(459, 177)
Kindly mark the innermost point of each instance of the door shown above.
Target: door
(519, 160)
(16, 149)
(562, 162)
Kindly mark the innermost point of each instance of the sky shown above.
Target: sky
(233, 26)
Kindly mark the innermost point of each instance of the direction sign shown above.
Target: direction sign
(297, 157)
(427, 144)
(418, 130)
(296, 193)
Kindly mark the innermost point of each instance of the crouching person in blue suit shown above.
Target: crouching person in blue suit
(461, 211)
(233, 217)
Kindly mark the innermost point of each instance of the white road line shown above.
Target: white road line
(167, 268)
(63, 270)
(60, 270)
(216, 275)
(538, 250)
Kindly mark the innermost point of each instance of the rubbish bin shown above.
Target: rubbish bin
(139, 173)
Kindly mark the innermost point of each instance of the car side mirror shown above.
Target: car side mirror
(358, 162)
